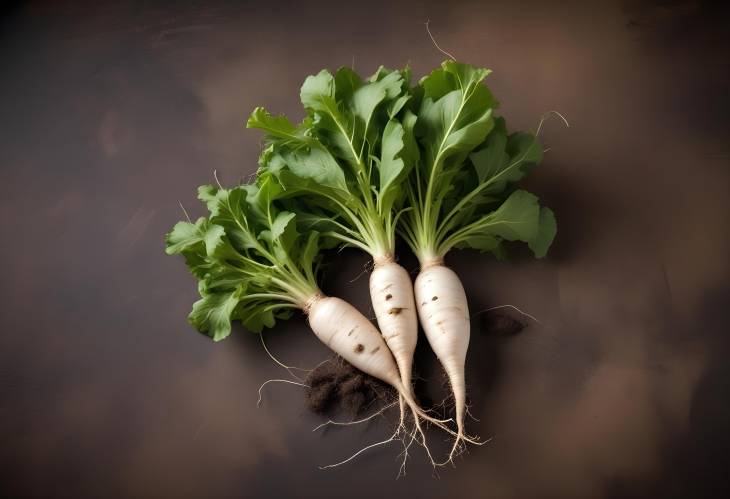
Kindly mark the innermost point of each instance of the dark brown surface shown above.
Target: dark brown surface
(111, 114)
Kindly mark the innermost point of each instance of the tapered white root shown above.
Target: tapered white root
(444, 314)
(391, 293)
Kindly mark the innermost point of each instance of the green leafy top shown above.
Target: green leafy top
(251, 263)
(462, 192)
(349, 156)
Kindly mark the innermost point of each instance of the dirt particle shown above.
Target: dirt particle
(424, 304)
(501, 324)
(395, 311)
(388, 297)
(374, 350)
(359, 348)
(351, 331)
(434, 298)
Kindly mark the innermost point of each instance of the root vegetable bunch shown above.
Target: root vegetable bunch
(372, 158)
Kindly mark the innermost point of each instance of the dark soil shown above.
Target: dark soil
(499, 323)
(337, 387)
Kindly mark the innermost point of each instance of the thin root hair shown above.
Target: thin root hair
(447, 54)
(258, 402)
(507, 306)
(215, 176)
(184, 211)
(349, 423)
(368, 267)
(288, 368)
(364, 449)
(468, 413)
(546, 116)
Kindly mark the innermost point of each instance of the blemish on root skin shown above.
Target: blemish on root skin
(359, 348)
(434, 298)
(394, 310)
(388, 297)
(351, 331)
(374, 350)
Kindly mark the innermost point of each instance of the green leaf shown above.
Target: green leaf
(309, 221)
(272, 273)
(255, 316)
(491, 159)
(391, 165)
(316, 164)
(347, 82)
(228, 208)
(282, 232)
(318, 92)
(504, 160)
(517, 218)
(481, 242)
(310, 250)
(410, 153)
(545, 233)
(185, 235)
(259, 199)
(212, 313)
(463, 193)
(369, 96)
(276, 126)
(396, 105)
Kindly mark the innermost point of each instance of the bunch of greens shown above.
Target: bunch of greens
(250, 261)
(348, 157)
(463, 190)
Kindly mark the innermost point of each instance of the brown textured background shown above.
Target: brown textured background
(111, 112)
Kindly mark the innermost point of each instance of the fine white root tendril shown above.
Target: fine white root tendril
(468, 413)
(359, 421)
(416, 434)
(405, 454)
(364, 449)
(366, 268)
(184, 211)
(507, 306)
(215, 176)
(258, 403)
(460, 448)
(447, 54)
(288, 368)
(546, 116)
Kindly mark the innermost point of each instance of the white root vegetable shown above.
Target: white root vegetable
(444, 314)
(351, 335)
(254, 266)
(391, 292)
(462, 194)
